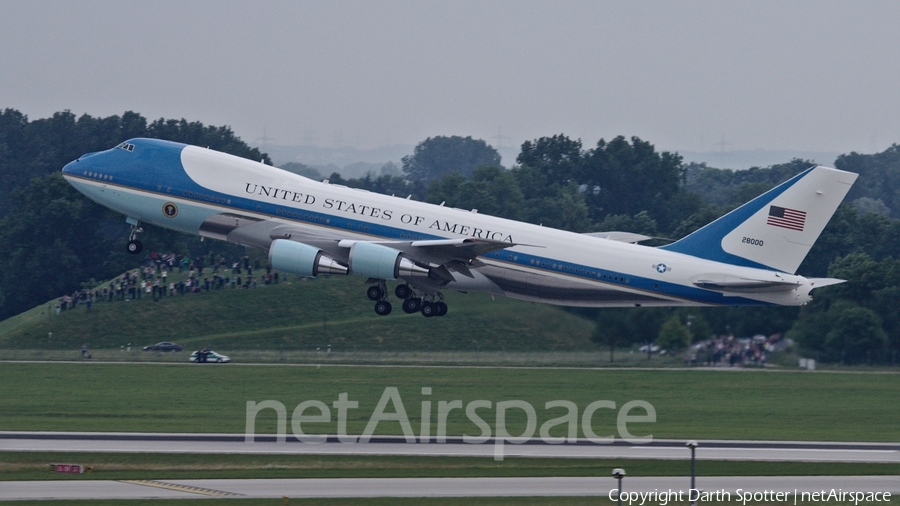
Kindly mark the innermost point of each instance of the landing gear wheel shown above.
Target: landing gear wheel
(412, 305)
(441, 308)
(134, 246)
(375, 293)
(402, 291)
(383, 308)
(428, 309)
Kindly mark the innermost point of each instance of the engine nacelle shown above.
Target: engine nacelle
(302, 259)
(381, 262)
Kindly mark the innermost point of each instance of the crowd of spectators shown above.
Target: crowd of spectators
(728, 351)
(157, 279)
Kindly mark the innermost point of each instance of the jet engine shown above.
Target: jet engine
(302, 259)
(381, 262)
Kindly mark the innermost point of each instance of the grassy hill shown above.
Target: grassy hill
(301, 315)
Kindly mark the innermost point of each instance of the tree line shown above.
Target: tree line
(54, 240)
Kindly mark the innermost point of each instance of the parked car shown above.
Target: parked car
(653, 348)
(202, 356)
(164, 346)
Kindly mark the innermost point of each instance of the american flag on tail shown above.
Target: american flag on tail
(786, 218)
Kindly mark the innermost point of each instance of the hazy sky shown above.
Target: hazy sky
(807, 75)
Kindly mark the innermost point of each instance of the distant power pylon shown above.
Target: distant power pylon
(500, 137)
(264, 140)
(722, 144)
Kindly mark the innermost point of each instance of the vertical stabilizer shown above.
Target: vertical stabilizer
(775, 230)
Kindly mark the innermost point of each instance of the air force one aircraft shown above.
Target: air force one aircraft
(747, 257)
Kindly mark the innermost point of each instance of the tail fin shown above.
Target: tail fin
(775, 230)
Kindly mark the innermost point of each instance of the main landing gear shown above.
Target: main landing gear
(134, 246)
(429, 307)
(378, 293)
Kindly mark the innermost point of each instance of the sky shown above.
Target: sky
(683, 75)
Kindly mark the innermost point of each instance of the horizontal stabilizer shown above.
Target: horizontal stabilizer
(736, 284)
(820, 282)
(629, 237)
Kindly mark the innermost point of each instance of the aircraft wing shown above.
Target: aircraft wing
(431, 251)
(443, 255)
(460, 249)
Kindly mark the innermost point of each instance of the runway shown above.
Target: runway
(439, 487)
(658, 449)
(445, 487)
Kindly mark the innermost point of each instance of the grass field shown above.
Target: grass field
(150, 466)
(301, 315)
(690, 404)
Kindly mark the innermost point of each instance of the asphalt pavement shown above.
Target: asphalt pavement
(759, 488)
(784, 451)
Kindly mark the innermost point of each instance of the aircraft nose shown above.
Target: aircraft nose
(70, 167)
(80, 165)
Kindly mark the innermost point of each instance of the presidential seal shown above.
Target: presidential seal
(170, 210)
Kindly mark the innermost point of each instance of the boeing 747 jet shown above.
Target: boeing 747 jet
(747, 257)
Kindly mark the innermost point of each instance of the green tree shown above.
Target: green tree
(611, 328)
(698, 328)
(627, 178)
(491, 190)
(558, 158)
(673, 335)
(641, 223)
(885, 304)
(436, 156)
(52, 243)
(856, 335)
(879, 176)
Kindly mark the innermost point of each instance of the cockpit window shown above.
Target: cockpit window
(126, 146)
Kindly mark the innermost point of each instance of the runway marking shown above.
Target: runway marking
(181, 488)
